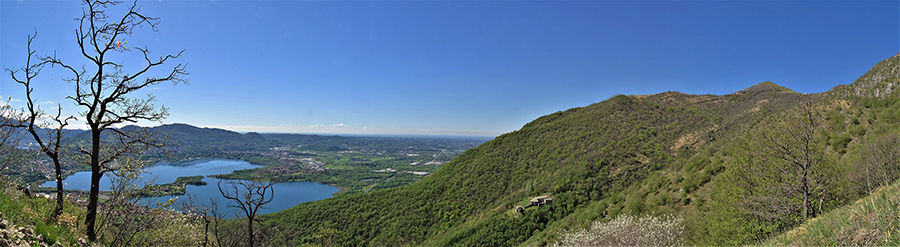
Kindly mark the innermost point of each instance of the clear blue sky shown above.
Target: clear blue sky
(462, 67)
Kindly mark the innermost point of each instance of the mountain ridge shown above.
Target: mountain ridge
(638, 135)
(628, 154)
(881, 81)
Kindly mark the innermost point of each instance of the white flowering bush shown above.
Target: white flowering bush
(627, 230)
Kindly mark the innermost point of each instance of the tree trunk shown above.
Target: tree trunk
(821, 201)
(216, 229)
(805, 197)
(250, 229)
(91, 216)
(205, 231)
(868, 178)
(92, 204)
(59, 191)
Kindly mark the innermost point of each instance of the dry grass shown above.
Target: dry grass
(693, 139)
(871, 221)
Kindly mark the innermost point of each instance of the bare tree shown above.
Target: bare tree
(250, 197)
(791, 157)
(105, 92)
(207, 214)
(32, 119)
(882, 161)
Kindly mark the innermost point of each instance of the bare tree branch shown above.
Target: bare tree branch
(102, 89)
(249, 196)
(791, 160)
(33, 119)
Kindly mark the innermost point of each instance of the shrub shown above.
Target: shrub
(627, 230)
(635, 206)
(860, 130)
(839, 142)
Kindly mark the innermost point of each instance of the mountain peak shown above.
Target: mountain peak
(767, 86)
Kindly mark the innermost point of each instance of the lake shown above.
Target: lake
(287, 194)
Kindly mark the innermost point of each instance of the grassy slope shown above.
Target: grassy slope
(21, 210)
(873, 220)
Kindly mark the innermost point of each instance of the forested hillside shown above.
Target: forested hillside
(647, 154)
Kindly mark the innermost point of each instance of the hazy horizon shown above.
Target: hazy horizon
(456, 68)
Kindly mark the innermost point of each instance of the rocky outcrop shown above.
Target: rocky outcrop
(881, 81)
(12, 235)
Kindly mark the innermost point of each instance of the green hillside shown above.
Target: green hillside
(656, 154)
(722, 168)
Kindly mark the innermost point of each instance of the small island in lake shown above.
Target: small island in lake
(174, 188)
(192, 180)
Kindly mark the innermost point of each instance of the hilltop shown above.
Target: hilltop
(657, 154)
(767, 86)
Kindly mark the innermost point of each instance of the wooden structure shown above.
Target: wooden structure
(536, 202)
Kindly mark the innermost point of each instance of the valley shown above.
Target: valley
(350, 163)
(705, 162)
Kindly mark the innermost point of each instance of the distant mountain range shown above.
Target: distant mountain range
(192, 141)
(190, 135)
(25, 139)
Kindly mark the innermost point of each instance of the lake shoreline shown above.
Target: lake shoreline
(197, 178)
(341, 189)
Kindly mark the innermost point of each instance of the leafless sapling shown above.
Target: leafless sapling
(46, 130)
(249, 197)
